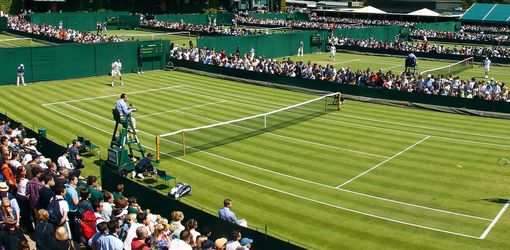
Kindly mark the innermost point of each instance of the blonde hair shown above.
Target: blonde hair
(177, 216)
(6, 211)
(160, 229)
(43, 215)
(61, 234)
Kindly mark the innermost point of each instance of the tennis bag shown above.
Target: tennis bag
(180, 190)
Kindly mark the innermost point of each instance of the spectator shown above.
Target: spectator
(220, 243)
(23, 201)
(138, 243)
(59, 209)
(191, 226)
(63, 240)
(46, 193)
(72, 200)
(246, 243)
(133, 206)
(14, 207)
(226, 213)
(12, 237)
(110, 240)
(141, 221)
(74, 152)
(102, 229)
(43, 231)
(107, 206)
(207, 245)
(161, 241)
(233, 243)
(94, 188)
(84, 204)
(118, 191)
(63, 161)
(178, 217)
(183, 242)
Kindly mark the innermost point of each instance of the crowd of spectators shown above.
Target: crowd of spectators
(203, 29)
(63, 211)
(485, 28)
(425, 47)
(19, 24)
(445, 85)
(460, 35)
(359, 21)
(297, 24)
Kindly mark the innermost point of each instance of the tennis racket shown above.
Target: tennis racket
(503, 162)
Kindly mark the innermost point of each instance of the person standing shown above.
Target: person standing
(332, 51)
(300, 48)
(20, 75)
(116, 67)
(252, 53)
(487, 66)
(139, 59)
(319, 44)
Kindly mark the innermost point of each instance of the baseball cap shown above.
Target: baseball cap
(207, 244)
(220, 242)
(245, 241)
(150, 155)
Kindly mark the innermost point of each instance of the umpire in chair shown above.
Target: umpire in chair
(124, 111)
(411, 64)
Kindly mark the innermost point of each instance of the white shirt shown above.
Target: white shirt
(131, 234)
(487, 63)
(178, 244)
(64, 162)
(22, 187)
(232, 245)
(116, 65)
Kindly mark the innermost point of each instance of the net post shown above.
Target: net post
(183, 144)
(158, 150)
(265, 121)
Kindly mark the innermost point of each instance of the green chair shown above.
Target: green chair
(92, 147)
(162, 175)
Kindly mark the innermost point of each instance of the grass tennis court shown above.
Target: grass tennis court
(8, 41)
(396, 64)
(364, 177)
(180, 39)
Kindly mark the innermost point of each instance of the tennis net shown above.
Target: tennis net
(190, 140)
(158, 36)
(451, 69)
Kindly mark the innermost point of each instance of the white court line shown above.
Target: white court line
(396, 66)
(355, 211)
(106, 96)
(389, 159)
(181, 109)
(328, 204)
(395, 131)
(292, 138)
(495, 220)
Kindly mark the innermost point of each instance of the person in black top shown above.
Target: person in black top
(12, 237)
(46, 193)
(43, 231)
(143, 166)
(139, 59)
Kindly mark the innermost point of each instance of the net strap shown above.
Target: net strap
(250, 117)
(448, 66)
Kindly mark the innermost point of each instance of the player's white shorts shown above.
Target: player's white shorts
(116, 73)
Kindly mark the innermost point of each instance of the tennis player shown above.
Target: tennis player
(487, 65)
(116, 67)
(20, 75)
(332, 51)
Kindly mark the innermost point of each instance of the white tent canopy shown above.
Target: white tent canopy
(424, 12)
(369, 9)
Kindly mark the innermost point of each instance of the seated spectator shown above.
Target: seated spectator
(110, 240)
(62, 240)
(220, 243)
(161, 241)
(226, 213)
(133, 207)
(233, 243)
(94, 188)
(43, 231)
(63, 161)
(192, 226)
(118, 191)
(74, 154)
(183, 242)
(246, 243)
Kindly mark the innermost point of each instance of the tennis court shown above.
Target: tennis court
(8, 41)
(379, 173)
(144, 35)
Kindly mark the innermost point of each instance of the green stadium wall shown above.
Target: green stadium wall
(271, 46)
(75, 20)
(74, 60)
(3, 24)
(446, 101)
(439, 26)
(202, 19)
(382, 33)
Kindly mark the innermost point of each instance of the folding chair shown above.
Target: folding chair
(90, 147)
(162, 175)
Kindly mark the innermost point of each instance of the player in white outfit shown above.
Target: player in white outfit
(116, 67)
(487, 65)
(332, 50)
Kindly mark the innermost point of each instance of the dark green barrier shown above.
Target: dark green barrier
(272, 46)
(161, 204)
(129, 22)
(187, 18)
(439, 26)
(3, 24)
(39, 37)
(75, 20)
(419, 54)
(446, 101)
(74, 60)
(492, 42)
(281, 16)
(381, 33)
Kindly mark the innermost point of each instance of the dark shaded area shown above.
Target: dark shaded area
(496, 200)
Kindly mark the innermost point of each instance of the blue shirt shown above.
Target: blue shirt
(122, 107)
(71, 194)
(226, 214)
(109, 242)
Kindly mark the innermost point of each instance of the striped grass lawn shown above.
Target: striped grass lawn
(179, 38)
(367, 177)
(396, 64)
(8, 41)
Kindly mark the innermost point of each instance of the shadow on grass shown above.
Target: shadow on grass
(496, 200)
